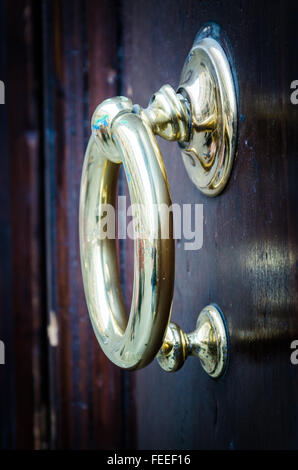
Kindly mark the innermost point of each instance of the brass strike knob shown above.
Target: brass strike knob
(208, 342)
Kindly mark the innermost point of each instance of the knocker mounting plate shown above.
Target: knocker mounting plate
(207, 83)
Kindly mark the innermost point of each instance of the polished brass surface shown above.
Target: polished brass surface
(120, 135)
(207, 84)
(208, 342)
(124, 133)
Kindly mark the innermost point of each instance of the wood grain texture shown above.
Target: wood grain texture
(58, 390)
(248, 263)
(23, 285)
(7, 418)
(80, 70)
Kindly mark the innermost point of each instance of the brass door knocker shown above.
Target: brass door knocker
(202, 117)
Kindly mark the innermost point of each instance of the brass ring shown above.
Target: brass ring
(120, 135)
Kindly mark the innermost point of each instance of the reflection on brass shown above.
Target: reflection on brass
(201, 116)
(207, 83)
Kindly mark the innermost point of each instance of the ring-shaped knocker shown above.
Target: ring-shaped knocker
(125, 138)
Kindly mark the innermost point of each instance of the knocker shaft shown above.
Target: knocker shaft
(168, 114)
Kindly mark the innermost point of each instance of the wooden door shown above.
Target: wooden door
(59, 59)
(248, 262)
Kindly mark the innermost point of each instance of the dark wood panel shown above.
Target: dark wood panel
(248, 263)
(80, 70)
(6, 372)
(23, 281)
(58, 389)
